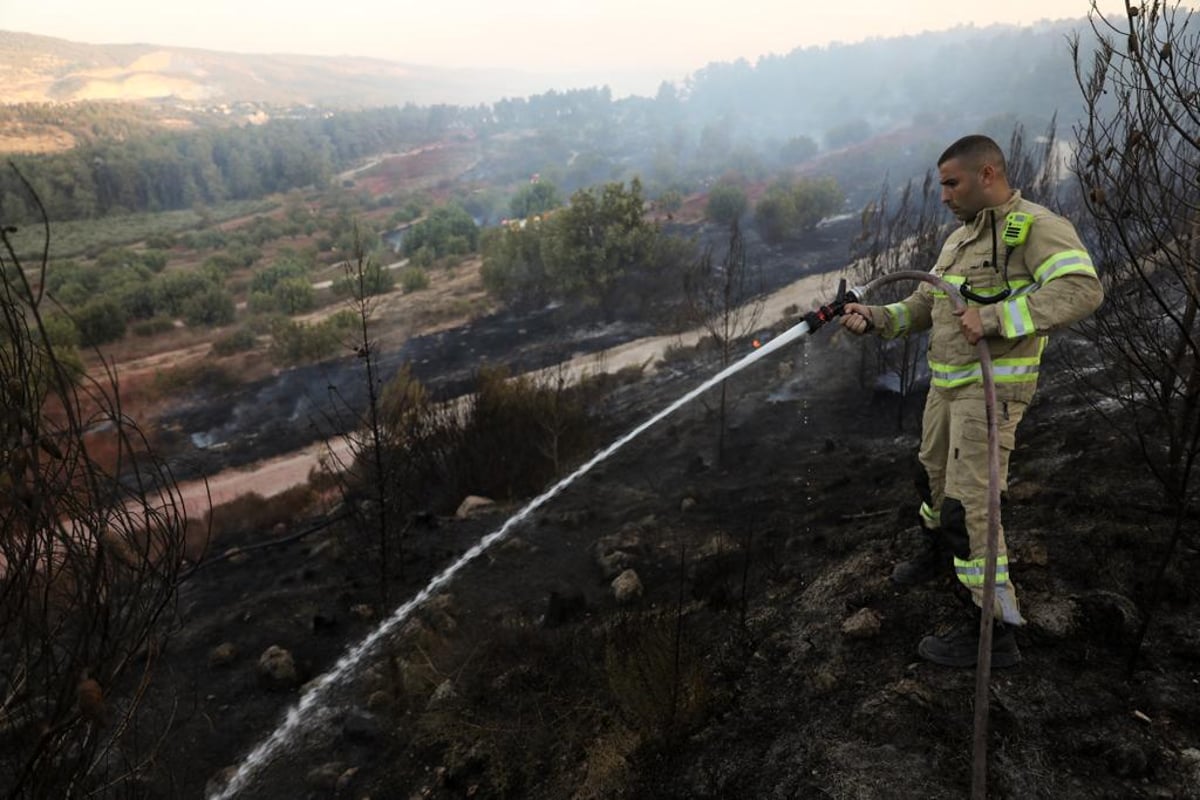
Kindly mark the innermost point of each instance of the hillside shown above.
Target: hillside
(764, 653)
(39, 69)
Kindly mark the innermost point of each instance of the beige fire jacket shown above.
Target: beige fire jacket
(1052, 281)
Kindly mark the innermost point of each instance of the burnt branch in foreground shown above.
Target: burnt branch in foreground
(1138, 148)
(91, 546)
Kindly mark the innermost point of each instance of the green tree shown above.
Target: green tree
(791, 208)
(514, 268)
(598, 240)
(99, 322)
(775, 214)
(448, 230)
(534, 198)
(175, 288)
(286, 266)
(726, 203)
(212, 306)
(414, 279)
(816, 199)
(372, 279)
(294, 295)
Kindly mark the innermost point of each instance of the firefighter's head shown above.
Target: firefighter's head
(973, 176)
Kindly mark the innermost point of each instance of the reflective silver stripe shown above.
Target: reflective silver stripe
(971, 573)
(1004, 370)
(1017, 320)
(1017, 370)
(1064, 263)
(955, 377)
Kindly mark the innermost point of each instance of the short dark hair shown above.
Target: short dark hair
(977, 149)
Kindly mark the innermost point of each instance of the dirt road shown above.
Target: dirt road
(278, 474)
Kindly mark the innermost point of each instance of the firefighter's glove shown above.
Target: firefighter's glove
(857, 318)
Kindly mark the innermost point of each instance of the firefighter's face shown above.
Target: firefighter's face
(965, 187)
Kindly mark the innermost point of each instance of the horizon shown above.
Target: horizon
(658, 40)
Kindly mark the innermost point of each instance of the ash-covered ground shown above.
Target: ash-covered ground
(765, 654)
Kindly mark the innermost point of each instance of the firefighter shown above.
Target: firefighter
(1023, 273)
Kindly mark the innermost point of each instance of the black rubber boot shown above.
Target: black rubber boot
(960, 646)
(932, 560)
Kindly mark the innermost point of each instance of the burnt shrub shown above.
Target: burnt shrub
(655, 675)
(505, 441)
(253, 512)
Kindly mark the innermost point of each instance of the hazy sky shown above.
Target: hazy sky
(669, 37)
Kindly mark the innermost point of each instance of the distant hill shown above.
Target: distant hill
(37, 69)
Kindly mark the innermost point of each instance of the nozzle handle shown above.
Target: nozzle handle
(827, 312)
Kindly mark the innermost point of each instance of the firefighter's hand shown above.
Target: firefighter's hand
(857, 318)
(970, 323)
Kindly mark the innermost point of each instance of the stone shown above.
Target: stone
(362, 611)
(687, 504)
(863, 624)
(442, 695)
(1109, 615)
(515, 545)
(1191, 764)
(325, 776)
(236, 555)
(222, 655)
(627, 587)
(1035, 554)
(614, 563)
(344, 780)
(473, 506)
(277, 668)
(619, 551)
(1051, 617)
(717, 545)
(378, 700)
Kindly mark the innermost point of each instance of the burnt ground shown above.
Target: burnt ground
(768, 655)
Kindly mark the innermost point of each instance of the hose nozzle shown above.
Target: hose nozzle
(818, 317)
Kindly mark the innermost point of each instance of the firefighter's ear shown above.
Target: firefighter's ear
(987, 174)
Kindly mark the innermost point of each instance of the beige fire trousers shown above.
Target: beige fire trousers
(954, 453)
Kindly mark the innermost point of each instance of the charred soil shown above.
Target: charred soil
(761, 650)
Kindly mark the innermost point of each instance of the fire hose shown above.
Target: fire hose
(825, 313)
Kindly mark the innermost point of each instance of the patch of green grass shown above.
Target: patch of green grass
(84, 236)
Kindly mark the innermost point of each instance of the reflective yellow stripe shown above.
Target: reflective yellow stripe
(900, 316)
(970, 573)
(1064, 263)
(931, 519)
(948, 376)
(1004, 370)
(1015, 320)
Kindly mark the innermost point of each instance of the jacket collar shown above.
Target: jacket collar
(975, 227)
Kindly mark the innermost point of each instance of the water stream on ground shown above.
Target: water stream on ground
(310, 705)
